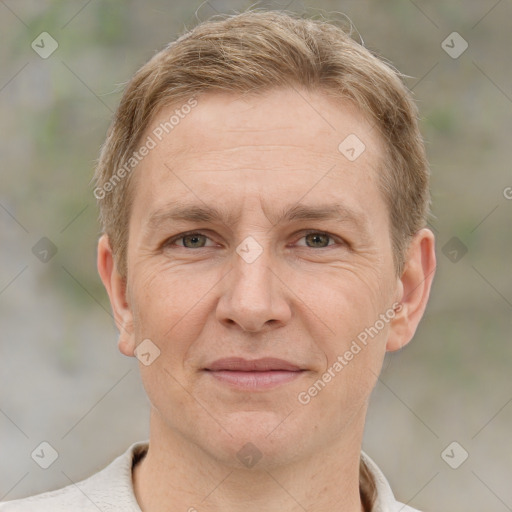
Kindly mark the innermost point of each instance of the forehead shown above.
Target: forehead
(287, 141)
(291, 116)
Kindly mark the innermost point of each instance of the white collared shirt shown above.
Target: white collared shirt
(111, 490)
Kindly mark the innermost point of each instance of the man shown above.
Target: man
(264, 193)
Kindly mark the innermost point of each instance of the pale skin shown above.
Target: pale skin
(315, 286)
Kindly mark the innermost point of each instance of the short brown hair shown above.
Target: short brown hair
(256, 51)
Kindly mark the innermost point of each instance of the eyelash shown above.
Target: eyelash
(169, 242)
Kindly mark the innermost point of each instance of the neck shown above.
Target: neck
(177, 474)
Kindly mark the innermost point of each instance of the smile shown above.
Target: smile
(253, 375)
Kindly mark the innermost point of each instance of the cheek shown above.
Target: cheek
(342, 390)
(349, 307)
(164, 313)
(160, 297)
(170, 311)
(356, 350)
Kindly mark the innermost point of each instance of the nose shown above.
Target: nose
(254, 296)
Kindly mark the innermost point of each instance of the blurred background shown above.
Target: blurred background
(62, 379)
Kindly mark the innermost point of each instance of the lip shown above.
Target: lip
(253, 374)
(263, 364)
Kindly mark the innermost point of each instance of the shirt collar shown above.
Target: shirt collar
(384, 501)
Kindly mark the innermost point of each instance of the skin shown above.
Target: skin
(304, 299)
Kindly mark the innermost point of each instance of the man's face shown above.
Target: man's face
(280, 274)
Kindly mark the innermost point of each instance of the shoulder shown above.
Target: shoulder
(109, 490)
(384, 498)
(68, 498)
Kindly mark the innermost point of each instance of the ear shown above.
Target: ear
(415, 284)
(115, 285)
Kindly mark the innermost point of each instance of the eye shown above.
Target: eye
(189, 240)
(196, 240)
(317, 239)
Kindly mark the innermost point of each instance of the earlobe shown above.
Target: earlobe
(415, 284)
(115, 285)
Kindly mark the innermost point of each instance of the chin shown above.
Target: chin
(258, 440)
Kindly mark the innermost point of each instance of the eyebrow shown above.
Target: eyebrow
(205, 213)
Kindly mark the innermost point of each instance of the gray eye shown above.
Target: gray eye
(317, 240)
(193, 241)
